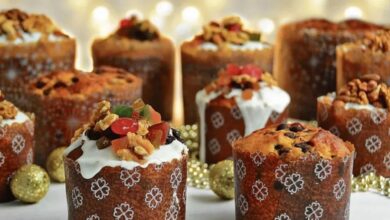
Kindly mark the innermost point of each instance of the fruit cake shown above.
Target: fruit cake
(63, 101)
(368, 55)
(292, 171)
(305, 59)
(30, 44)
(220, 43)
(126, 163)
(359, 113)
(16, 144)
(138, 47)
(242, 99)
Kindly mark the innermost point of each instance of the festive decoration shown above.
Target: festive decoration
(30, 183)
(198, 174)
(189, 134)
(55, 165)
(221, 179)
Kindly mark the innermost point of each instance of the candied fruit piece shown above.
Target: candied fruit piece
(233, 69)
(150, 114)
(158, 133)
(122, 126)
(138, 105)
(252, 70)
(123, 111)
(120, 143)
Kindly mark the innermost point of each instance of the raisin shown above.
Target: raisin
(92, 134)
(110, 134)
(290, 135)
(281, 127)
(40, 84)
(103, 142)
(281, 149)
(296, 127)
(304, 146)
(176, 134)
(170, 139)
(278, 147)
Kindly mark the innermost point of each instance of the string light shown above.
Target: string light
(100, 14)
(190, 14)
(164, 8)
(266, 25)
(353, 12)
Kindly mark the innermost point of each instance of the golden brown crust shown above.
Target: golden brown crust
(78, 85)
(305, 54)
(294, 141)
(14, 22)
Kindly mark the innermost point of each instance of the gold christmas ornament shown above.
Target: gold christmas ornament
(30, 183)
(221, 179)
(198, 174)
(55, 165)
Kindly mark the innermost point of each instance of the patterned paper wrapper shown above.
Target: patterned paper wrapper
(24, 62)
(155, 192)
(368, 130)
(308, 188)
(354, 62)
(16, 150)
(200, 67)
(225, 125)
(153, 61)
(305, 57)
(57, 118)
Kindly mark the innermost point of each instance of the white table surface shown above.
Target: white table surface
(201, 204)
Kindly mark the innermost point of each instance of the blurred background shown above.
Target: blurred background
(181, 19)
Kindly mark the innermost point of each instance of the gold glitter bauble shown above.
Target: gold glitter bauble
(198, 174)
(222, 179)
(30, 183)
(55, 165)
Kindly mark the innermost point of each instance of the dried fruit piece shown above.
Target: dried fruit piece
(150, 114)
(247, 94)
(123, 111)
(233, 69)
(92, 134)
(120, 143)
(122, 126)
(252, 70)
(158, 134)
(103, 142)
(138, 105)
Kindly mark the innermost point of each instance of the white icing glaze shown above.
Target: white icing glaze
(255, 111)
(28, 38)
(249, 45)
(93, 160)
(349, 105)
(20, 118)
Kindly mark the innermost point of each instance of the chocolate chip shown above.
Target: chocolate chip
(304, 146)
(75, 79)
(103, 142)
(290, 135)
(59, 85)
(47, 91)
(281, 149)
(93, 135)
(296, 127)
(281, 127)
(40, 84)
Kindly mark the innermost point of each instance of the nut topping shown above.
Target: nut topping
(368, 89)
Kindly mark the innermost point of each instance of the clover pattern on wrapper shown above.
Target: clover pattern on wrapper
(292, 180)
(366, 128)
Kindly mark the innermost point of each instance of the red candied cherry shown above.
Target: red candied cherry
(233, 69)
(234, 27)
(122, 126)
(136, 115)
(127, 22)
(252, 70)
